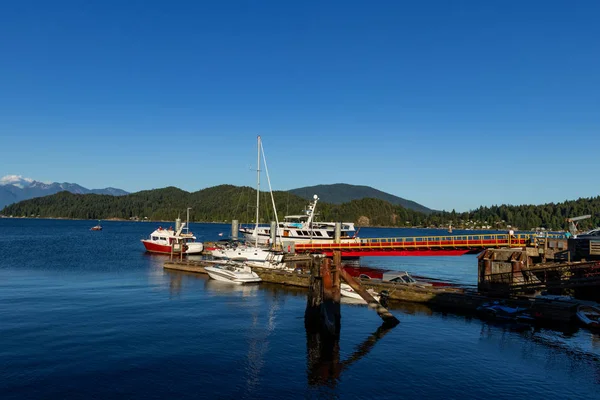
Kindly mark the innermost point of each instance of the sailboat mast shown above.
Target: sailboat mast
(257, 191)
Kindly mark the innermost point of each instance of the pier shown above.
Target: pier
(512, 269)
(447, 245)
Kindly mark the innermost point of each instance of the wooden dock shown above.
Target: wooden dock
(454, 299)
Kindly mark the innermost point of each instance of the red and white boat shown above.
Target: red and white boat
(161, 241)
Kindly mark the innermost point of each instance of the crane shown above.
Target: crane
(573, 223)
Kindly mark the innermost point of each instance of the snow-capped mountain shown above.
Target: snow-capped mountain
(16, 180)
(15, 188)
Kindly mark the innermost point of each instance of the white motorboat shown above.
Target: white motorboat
(233, 272)
(589, 315)
(347, 291)
(302, 228)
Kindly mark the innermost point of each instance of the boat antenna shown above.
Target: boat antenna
(272, 197)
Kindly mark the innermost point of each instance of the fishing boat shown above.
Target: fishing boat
(347, 291)
(589, 315)
(302, 228)
(97, 227)
(233, 272)
(161, 241)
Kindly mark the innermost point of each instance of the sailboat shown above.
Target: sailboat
(251, 251)
(97, 227)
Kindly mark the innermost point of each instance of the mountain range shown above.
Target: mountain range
(15, 188)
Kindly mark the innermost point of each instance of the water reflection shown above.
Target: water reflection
(323, 355)
(259, 344)
(323, 364)
(596, 340)
(218, 287)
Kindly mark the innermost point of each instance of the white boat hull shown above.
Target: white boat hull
(265, 239)
(347, 291)
(237, 275)
(248, 253)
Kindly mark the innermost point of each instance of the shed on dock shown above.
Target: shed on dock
(555, 265)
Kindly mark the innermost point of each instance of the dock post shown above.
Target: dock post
(235, 225)
(338, 232)
(322, 311)
(312, 314)
(331, 297)
(335, 273)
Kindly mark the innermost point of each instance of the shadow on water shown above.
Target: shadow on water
(323, 355)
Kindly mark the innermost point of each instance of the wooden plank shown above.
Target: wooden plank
(383, 312)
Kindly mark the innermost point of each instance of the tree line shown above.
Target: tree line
(227, 202)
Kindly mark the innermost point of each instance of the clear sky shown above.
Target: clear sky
(452, 104)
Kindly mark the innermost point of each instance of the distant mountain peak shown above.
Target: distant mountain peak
(14, 188)
(16, 180)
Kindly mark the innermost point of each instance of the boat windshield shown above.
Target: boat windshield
(295, 218)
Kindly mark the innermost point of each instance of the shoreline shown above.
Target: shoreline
(115, 219)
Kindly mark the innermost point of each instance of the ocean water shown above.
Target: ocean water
(90, 315)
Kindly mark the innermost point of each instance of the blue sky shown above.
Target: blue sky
(453, 104)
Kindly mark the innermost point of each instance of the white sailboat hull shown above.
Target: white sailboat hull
(248, 253)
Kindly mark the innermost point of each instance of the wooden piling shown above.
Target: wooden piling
(331, 298)
(322, 311)
(312, 314)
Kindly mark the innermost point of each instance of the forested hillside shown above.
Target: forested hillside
(226, 202)
(340, 193)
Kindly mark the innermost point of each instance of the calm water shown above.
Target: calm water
(90, 315)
